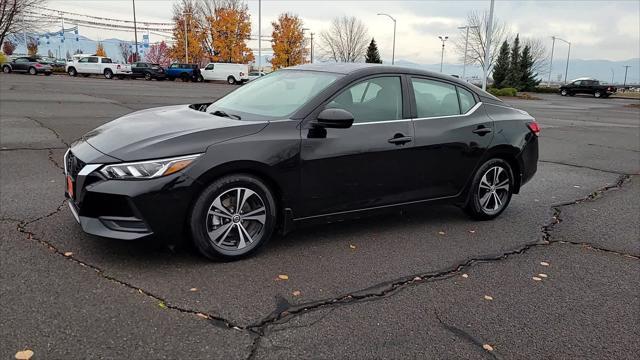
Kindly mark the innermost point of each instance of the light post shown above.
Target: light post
(487, 49)
(259, 36)
(626, 67)
(186, 39)
(566, 70)
(311, 52)
(612, 75)
(393, 51)
(466, 44)
(442, 38)
(135, 32)
(553, 45)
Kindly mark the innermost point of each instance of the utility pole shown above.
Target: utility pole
(626, 67)
(466, 45)
(64, 47)
(186, 39)
(304, 38)
(393, 51)
(443, 39)
(566, 69)
(135, 32)
(553, 45)
(487, 49)
(24, 32)
(312, 48)
(259, 36)
(612, 75)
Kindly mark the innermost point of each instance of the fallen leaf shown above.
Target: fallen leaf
(543, 275)
(283, 277)
(162, 305)
(576, 186)
(296, 293)
(472, 231)
(544, 263)
(24, 355)
(441, 232)
(465, 276)
(352, 246)
(487, 297)
(487, 347)
(204, 316)
(417, 278)
(193, 289)
(68, 253)
(536, 278)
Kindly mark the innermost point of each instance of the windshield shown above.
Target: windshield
(274, 96)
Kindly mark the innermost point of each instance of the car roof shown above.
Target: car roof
(372, 69)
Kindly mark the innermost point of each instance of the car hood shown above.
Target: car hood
(166, 132)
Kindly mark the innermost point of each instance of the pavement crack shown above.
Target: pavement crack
(581, 167)
(464, 335)
(54, 131)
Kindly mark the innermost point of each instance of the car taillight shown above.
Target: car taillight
(241, 73)
(117, 66)
(534, 127)
(38, 65)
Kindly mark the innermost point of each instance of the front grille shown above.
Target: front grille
(74, 165)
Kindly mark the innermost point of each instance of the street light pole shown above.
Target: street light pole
(487, 49)
(259, 36)
(626, 67)
(466, 45)
(393, 51)
(311, 52)
(443, 39)
(135, 32)
(312, 48)
(566, 69)
(612, 75)
(553, 45)
(186, 39)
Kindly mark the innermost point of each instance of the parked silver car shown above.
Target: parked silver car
(32, 65)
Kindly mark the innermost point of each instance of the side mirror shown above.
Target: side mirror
(334, 118)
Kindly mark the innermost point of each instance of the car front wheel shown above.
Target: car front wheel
(6, 69)
(597, 94)
(147, 76)
(233, 217)
(491, 190)
(72, 72)
(564, 92)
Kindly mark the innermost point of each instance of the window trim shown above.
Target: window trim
(414, 109)
(470, 112)
(403, 95)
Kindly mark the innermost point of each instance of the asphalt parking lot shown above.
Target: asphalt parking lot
(556, 276)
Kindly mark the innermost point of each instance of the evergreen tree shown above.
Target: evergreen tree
(514, 76)
(529, 80)
(501, 68)
(373, 56)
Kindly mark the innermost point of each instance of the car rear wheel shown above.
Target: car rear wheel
(6, 69)
(491, 190)
(33, 71)
(147, 76)
(597, 94)
(231, 80)
(108, 74)
(233, 217)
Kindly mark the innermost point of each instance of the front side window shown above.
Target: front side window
(93, 59)
(275, 96)
(467, 101)
(376, 99)
(22, 60)
(173, 66)
(209, 67)
(435, 98)
(83, 60)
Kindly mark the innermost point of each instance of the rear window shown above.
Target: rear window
(435, 98)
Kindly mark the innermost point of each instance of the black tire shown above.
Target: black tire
(6, 69)
(33, 71)
(202, 222)
(108, 74)
(72, 72)
(147, 76)
(200, 78)
(564, 92)
(171, 78)
(500, 198)
(231, 80)
(597, 94)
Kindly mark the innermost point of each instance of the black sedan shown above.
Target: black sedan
(308, 143)
(148, 71)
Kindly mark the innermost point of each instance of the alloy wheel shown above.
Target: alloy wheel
(493, 190)
(236, 219)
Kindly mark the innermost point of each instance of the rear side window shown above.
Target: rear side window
(377, 99)
(106, 61)
(434, 98)
(467, 101)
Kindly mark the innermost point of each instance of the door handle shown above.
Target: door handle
(482, 131)
(400, 139)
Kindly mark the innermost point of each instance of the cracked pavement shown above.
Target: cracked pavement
(400, 293)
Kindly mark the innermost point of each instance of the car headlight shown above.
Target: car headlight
(147, 169)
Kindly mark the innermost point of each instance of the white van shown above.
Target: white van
(231, 73)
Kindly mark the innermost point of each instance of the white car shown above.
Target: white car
(96, 65)
(231, 73)
(255, 75)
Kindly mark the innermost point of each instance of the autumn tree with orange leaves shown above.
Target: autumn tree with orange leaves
(187, 11)
(288, 44)
(230, 28)
(100, 50)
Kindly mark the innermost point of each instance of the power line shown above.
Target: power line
(102, 18)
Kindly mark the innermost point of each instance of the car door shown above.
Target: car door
(20, 64)
(366, 165)
(452, 133)
(93, 65)
(207, 72)
(138, 69)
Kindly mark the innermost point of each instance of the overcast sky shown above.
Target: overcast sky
(597, 29)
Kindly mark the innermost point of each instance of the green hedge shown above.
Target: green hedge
(545, 89)
(503, 92)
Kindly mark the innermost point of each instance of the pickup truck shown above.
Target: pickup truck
(587, 86)
(184, 72)
(86, 65)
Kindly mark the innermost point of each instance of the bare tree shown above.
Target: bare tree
(13, 16)
(345, 41)
(477, 46)
(125, 50)
(539, 55)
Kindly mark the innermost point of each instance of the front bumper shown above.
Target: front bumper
(124, 209)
